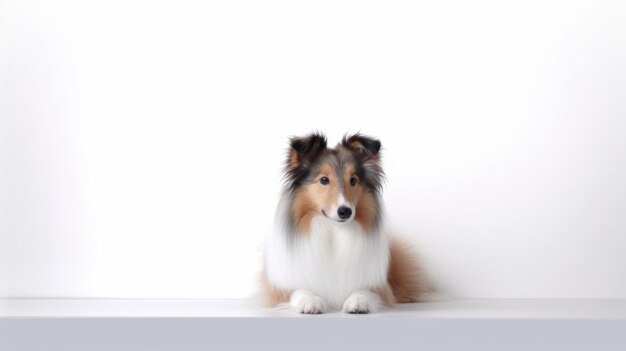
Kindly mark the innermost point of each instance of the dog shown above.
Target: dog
(330, 249)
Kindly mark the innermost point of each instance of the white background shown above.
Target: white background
(141, 143)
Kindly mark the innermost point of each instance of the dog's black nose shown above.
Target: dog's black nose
(344, 212)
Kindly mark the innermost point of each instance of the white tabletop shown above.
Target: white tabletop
(218, 308)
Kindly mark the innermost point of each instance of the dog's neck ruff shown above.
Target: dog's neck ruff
(331, 259)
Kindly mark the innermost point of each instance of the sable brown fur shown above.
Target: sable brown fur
(405, 277)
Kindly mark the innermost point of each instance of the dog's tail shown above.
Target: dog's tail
(406, 277)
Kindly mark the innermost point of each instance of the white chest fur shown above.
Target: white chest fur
(332, 261)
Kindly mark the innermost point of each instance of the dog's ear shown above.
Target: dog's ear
(364, 146)
(367, 149)
(304, 150)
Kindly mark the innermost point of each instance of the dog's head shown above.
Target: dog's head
(341, 184)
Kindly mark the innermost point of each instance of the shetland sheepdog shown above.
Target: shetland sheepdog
(330, 249)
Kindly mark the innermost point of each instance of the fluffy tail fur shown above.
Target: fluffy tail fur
(406, 277)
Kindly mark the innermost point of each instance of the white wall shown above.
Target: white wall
(141, 144)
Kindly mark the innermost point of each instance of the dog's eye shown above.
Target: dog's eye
(324, 181)
(353, 181)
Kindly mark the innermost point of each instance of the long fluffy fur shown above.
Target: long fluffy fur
(406, 277)
(406, 281)
(316, 264)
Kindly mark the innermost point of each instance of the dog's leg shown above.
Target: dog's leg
(304, 301)
(362, 301)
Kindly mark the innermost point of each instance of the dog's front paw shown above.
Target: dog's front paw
(311, 305)
(305, 302)
(361, 302)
